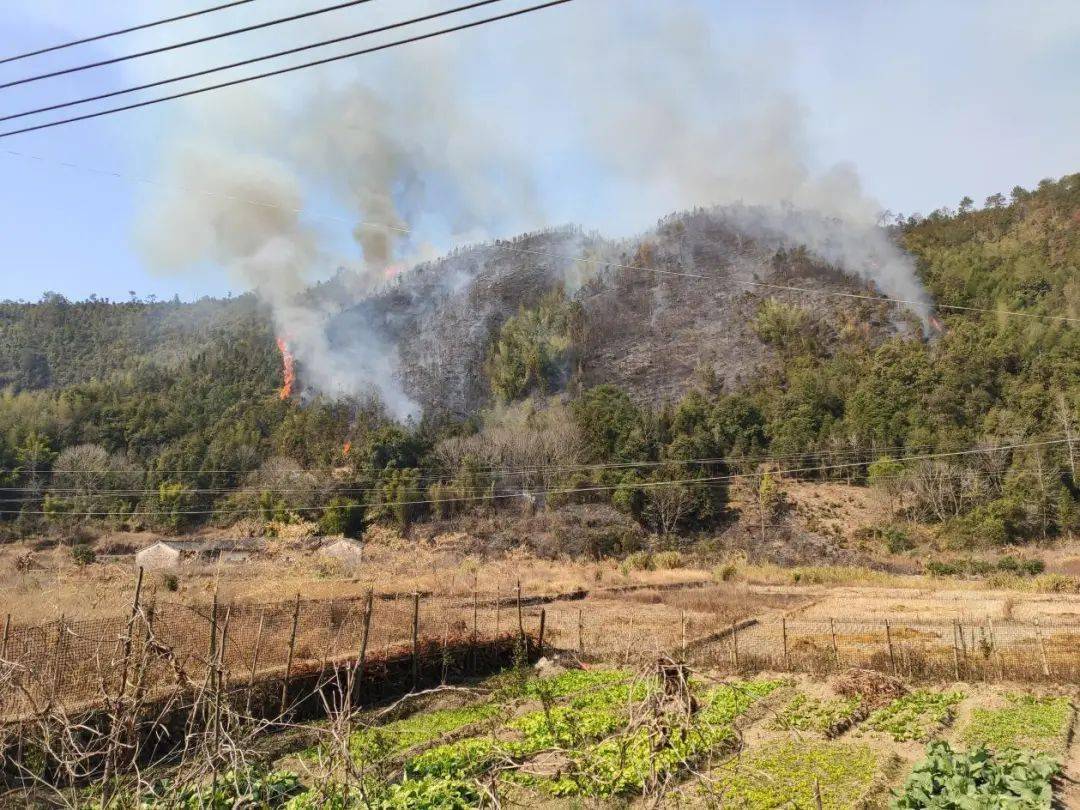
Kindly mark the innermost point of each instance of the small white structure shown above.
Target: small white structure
(167, 554)
(349, 552)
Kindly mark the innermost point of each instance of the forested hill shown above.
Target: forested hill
(170, 406)
(56, 342)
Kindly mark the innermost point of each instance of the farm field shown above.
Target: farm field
(668, 737)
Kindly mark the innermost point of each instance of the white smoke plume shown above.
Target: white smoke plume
(608, 113)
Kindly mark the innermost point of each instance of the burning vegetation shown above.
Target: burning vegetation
(288, 370)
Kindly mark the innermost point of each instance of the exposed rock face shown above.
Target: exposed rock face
(660, 308)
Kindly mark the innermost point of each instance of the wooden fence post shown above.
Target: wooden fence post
(219, 666)
(58, 670)
(521, 624)
(581, 632)
(997, 650)
(888, 639)
(289, 660)
(963, 648)
(835, 649)
(130, 630)
(682, 624)
(7, 636)
(543, 619)
(255, 661)
(1042, 650)
(361, 657)
(783, 627)
(475, 625)
(817, 793)
(498, 611)
(955, 652)
(735, 644)
(416, 640)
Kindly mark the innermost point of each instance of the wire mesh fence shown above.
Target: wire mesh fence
(962, 649)
(68, 665)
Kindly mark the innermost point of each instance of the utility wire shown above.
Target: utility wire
(176, 45)
(293, 68)
(712, 482)
(128, 30)
(252, 61)
(950, 474)
(537, 468)
(566, 491)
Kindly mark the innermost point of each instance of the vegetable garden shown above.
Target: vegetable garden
(609, 737)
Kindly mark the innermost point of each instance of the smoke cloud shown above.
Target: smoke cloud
(605, 113)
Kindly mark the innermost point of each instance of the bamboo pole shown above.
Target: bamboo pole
(7, 636)
(289, 660)
(735, 644)
(682, 628)
(888, 639)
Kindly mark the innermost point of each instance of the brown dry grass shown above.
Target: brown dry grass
(57, 586)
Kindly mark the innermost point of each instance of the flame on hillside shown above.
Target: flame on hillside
(288, 370)
(346, 449)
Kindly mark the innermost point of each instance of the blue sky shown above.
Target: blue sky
(924, 102)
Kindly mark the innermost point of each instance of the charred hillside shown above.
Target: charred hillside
(657, 312)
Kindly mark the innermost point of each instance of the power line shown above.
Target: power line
(245, 62)
(130, 29)
(293, 68)
(528, 469)
(564, 491)
(176, 45)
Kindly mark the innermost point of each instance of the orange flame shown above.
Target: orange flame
(346, 448)
(939, 327)
(287, 369)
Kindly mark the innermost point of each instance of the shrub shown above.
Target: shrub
(171, 582)
(641, 561)
(342, 516)
(897, 540)
(942, 569)
(1056, 583)
(665, 560)
(1029, 567)
(726, 572)
(83, 554)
